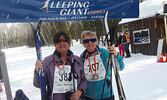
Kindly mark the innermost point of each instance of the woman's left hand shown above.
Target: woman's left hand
(112, 50)
(76, 95)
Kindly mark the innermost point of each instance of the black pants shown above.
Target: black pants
(110, 98)
(126, 48)
(0, 73)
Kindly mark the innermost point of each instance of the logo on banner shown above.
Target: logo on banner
(66, 8)
(69, 10)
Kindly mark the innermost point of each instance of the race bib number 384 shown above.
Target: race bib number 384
(61, 82)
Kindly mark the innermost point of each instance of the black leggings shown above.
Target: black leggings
(110, 98)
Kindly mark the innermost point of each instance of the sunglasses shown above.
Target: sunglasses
(62, 40)
(87, 40)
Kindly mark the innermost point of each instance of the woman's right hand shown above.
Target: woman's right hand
(38, 65)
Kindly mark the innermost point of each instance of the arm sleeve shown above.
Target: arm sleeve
(105, 61)
(120, 62)
(36, 79)
(83, 83)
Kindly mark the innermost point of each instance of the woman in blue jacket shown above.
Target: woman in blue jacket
(95, 65)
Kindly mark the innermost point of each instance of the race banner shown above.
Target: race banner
(66, 10)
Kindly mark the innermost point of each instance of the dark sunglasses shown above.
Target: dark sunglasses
(87, 40)
(63, 40)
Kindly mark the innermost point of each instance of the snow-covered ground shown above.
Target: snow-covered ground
(143, 78)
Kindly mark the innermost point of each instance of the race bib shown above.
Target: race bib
(100, 70)
(61, 83)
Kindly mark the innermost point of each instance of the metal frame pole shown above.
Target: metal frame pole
(165, 29)
(5, 75)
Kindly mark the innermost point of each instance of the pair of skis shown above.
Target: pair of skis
(111, 61)
(36, 32)
(44, 88)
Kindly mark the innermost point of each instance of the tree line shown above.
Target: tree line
(19, 34)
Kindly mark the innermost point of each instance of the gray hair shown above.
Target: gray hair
(90, 33)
